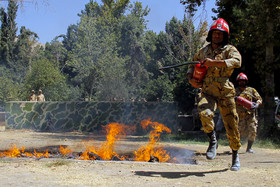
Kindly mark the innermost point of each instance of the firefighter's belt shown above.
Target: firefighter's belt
(215, 79)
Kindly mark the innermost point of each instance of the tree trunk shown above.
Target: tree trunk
(269, 81)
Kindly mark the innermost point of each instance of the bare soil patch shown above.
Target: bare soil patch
(259, 169)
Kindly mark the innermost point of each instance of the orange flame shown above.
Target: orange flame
(144, 153)
(15, 152)
(39, 155)
(12, 152)
(65, 151)
(106, 150)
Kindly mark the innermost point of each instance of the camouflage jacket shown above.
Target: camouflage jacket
(41, 97)
(250, 94)
(228, 53)
(218, 75)
(32, 97)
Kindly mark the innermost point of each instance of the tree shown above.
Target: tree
(12, 14)
(8, 31)
(116, 7)
(46, 76)
(21, 2)
(23, 52)
(160, 88)
(56, 52)
(4, 49)
(95, 55)
(177, 45)
(131, 45)
(9, 89)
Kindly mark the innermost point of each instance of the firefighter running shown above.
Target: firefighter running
(248, 122)
(217, 91)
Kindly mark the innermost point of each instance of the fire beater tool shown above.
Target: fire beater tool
(199, 69)
(179, 65)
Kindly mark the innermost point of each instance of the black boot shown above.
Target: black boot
(235, 161)
(249, 147)
(211, 151)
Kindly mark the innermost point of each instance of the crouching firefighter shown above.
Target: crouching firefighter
(221, 59)
(247, 101)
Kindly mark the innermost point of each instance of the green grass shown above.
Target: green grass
(266, 144)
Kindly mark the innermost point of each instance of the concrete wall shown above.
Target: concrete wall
(86, 116)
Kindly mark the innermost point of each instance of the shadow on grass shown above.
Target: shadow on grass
(174, 175)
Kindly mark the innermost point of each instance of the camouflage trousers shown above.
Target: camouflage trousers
(208, 104)
(248, 125)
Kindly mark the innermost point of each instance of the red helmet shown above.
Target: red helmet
(241, 76)
(220, 25)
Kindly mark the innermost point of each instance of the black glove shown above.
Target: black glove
(254, 106)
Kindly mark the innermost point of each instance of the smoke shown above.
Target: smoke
(182, 156)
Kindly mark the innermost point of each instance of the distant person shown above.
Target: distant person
(32, 96)
(248, 122)
(40, 96)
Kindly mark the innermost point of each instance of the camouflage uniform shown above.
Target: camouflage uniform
(248, 122)
(32, 97)
(40, 96)
(217, 90)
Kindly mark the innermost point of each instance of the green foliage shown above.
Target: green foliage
(9, 89)
(22, 53)
(132, 48)
(159, 88)
(8, 32)
(108, 53)
(178, 45)
(112, 82)
(191, 5)
(95, 54)
(56, 52)
(12, 13)
(105, 50)
(184, 93)
(46, 76)
(4, 48)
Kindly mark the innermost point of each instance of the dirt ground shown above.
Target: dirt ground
(259, 169)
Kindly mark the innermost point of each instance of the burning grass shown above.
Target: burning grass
(152, 151)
